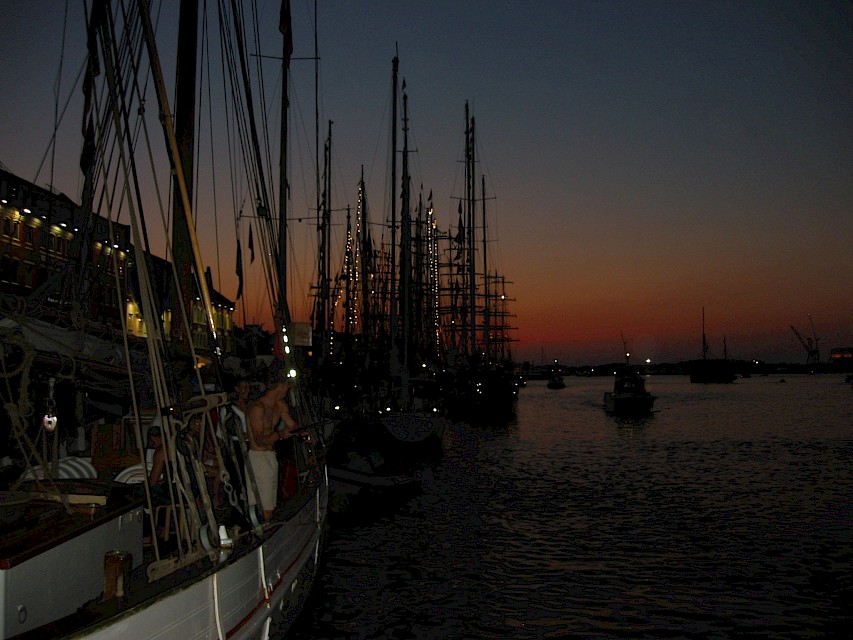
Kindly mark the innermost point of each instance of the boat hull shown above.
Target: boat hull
(628, 405)
(241, 599)
(413, 427)
(264, 577)
(32, 594)
(351, 482)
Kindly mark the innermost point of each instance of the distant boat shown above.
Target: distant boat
(629, 397)
(709, 370)
(555, 381)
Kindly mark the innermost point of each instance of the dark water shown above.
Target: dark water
(728, 514)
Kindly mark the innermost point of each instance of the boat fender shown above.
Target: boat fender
(48, 422)
(208, 538)
(254, 519)
(116, 574)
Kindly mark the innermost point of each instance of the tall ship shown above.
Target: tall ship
(477, 334)
(377, 352)
(134, 514)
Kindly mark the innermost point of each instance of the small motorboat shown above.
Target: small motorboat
(629, 396)
(555, 381)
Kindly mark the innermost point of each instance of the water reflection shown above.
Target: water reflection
(727, 513)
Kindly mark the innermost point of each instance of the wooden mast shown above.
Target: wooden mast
(487, 302)
(395, 63)
(471, 200)
(405, 244)
(185, 81)
(285, 26)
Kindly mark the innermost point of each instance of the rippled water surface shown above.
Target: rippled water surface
(727, 514)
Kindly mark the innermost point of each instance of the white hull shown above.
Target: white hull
(237, 597)
(238, 601)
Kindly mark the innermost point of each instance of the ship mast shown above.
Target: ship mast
(405, 244)
(395, 63)
(470, 205)
(184, 131)
(486, 298)
(286, 28)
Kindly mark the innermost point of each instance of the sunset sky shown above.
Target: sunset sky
(646, 159)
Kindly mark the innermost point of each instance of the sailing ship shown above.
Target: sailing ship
(711, 370)
(482, 386)
(629, 397)
(101, 557)
(377, 352)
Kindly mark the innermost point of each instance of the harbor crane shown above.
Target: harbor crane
(809, 344)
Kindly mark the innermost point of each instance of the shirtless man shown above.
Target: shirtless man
(265, 415)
